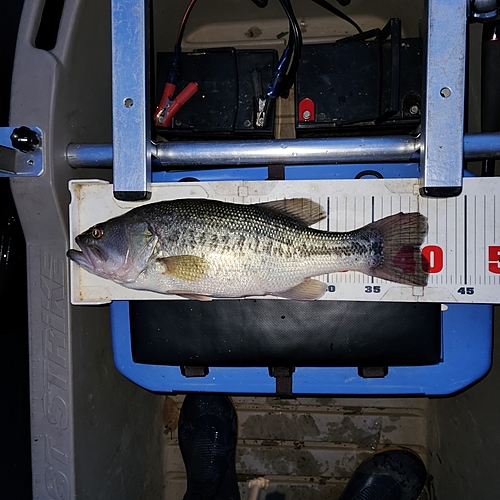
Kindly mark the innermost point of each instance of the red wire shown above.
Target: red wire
(183, 22)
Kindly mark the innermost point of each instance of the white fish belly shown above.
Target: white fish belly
(244, 274)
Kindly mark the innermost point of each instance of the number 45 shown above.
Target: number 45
(466, 290)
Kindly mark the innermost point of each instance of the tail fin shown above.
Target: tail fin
(401, 236)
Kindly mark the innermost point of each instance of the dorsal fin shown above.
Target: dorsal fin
(303, 210)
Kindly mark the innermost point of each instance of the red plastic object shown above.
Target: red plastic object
(306, 110)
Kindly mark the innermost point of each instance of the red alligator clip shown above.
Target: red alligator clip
(169, 106)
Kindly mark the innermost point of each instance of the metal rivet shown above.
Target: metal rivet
(128, 102)
(445, 92)
(30, 162)
(306, 114)
(414, 110)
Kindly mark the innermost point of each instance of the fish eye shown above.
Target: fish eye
(96, 233)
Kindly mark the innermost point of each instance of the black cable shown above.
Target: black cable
(337, 12)
(173, 74)
(297, 46)
(174, 69)
(284, 76)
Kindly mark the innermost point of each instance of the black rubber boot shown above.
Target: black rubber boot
(392, 474)
(207, 439)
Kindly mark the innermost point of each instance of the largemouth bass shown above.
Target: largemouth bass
(200, 248)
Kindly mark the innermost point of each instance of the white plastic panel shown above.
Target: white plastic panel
(462, 246)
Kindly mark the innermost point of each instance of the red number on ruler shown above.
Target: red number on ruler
(494, 259)
(432, 259)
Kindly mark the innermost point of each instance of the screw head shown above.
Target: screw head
(128, 102)
(414, 110)
(306, 114)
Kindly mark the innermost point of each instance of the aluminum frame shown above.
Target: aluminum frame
(130, 86)
(441, 154)
(186, 155)
(441, 145)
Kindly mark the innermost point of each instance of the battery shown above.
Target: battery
(370, 83)
(230, 83)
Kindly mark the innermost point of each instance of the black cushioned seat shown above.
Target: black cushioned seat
(271, 333)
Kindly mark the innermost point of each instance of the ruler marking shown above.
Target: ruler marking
(445, 225)
(475, 241)
(346, 201)
(328, 226)
(484, 237)
(465, 239)
(443, 242)
(427, 213)
(373, 219)
(328, 213)
(455, 256)
(436, 218)
(337, 218)
(355, 212)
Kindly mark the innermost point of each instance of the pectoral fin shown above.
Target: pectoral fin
(309, 289)
(185, 267)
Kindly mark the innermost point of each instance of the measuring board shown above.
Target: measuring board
(462, 247)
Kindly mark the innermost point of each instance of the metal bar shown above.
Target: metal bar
(130, 84)
(443, 107)
(288, 152)
(481, 146)
(186, 155)
(90, 155)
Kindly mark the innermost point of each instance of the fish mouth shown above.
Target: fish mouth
(91, 257)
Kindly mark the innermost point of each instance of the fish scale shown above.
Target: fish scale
(296, 252)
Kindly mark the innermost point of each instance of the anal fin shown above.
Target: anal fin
(309, 289)
(194, 296)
